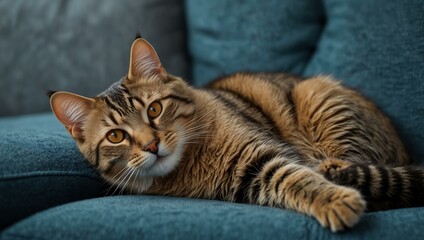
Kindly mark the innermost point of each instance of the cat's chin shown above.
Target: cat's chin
(161, 167)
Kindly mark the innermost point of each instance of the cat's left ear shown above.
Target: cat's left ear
(144, 61)
(71, 110)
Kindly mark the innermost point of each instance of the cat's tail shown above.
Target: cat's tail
(383, 187)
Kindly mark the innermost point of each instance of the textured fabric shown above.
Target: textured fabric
(80, 46)
(377, 47)
(227, 36)
(150, 217)
(40, 167)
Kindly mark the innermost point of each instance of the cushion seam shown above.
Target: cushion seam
(47, 174)
(16, 235)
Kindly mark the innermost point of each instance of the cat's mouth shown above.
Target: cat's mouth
(159, 163)
(162, 154)
(160, 158)
(153, 160)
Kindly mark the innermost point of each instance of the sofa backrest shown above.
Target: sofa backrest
(375, 46)
(80, 46)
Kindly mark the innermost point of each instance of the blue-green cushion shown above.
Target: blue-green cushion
(152, 217)
(377, 46)
(226, 36)
(40, 167)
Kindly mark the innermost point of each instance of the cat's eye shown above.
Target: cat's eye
(154, 110)
(115, 136)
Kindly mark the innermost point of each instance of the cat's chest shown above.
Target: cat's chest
(203, 171)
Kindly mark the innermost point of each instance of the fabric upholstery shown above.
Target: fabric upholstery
(153, 217)
(226, 36)
(80, 46)
(374, 46)
(40, 167)
(377, 47)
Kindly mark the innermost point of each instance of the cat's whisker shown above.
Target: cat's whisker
(200, 118)
(193, 129)
(196, 124)
(113, 177)
(127, 181)
(196, 133)
(115, 181)
(135, 179)
(116, 175)
(143, 162)
(140, 187)
(122, 179)
(195, 136)
(119, 181)
(131, 179)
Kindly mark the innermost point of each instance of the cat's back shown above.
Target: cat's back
(267, 95)
(258, 87)
(318, 115)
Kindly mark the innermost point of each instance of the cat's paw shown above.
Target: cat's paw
(339, 209)
(332, 168)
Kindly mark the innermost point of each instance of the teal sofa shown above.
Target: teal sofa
(48, 191)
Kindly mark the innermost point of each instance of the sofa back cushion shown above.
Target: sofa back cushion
(80, 46)
(374, 46)
(227, 36)
(377, 47)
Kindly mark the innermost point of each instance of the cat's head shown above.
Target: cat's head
(139, 124)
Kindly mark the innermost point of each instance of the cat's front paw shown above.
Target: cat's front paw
(339, 209)
(334, 170)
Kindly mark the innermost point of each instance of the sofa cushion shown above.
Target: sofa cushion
(227, 36)
(153, 217)
(40, 167)
(80, 46)
(377, 47)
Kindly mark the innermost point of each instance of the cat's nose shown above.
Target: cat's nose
(151, 147)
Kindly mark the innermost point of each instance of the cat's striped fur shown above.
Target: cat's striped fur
(268, 139)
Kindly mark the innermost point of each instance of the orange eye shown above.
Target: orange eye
(154, 110)
(115, 136)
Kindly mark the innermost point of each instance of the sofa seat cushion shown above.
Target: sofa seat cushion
(154, 217)
(40, 167)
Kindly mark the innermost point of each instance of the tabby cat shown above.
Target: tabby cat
(310, 145)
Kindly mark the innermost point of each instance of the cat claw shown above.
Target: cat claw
(340, 211)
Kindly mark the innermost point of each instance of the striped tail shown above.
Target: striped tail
(383, 187)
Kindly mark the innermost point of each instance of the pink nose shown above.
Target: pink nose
(151, 147)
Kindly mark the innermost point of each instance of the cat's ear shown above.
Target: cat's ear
(144, 61)
(71, 110)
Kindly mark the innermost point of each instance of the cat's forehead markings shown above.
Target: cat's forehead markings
(150, 97)
(137, 103)
(114, 118)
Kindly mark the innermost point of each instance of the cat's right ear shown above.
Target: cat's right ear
(144, 61)
(71, 110)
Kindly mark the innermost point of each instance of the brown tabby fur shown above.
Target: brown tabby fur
(268, 139)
